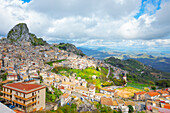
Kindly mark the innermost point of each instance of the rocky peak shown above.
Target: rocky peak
(20, 34)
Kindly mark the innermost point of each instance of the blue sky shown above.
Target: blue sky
(143, 8)
(26, 1)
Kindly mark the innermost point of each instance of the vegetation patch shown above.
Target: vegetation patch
(57, 61)
(126, 92)
(84, 74)
(137, 85)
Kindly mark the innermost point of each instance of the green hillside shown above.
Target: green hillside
(138, 72)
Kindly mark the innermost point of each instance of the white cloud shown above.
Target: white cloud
(89, 21)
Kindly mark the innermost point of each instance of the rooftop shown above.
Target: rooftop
(129, 103)
(82, 88)
(163, 92)
(153, 94)
(24, 87)
(107, 101)
(140, 93)
(65, 95)
(167, 106)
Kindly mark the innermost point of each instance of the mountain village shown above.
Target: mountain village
(29, 76)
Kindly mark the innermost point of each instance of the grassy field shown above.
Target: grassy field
(86, 74)
(137, 85)
(126, 92)
(57, 61)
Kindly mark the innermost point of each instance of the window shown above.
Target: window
(38, 96)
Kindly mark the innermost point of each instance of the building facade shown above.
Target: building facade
(28, 97)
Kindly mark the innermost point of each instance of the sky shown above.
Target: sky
(115, 24)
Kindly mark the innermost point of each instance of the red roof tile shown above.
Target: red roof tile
(92, 87)
(107, 101)
(153, 94)
(22, 86)
(167, 106)
(163, 92)
(65, 95)
(140, 93)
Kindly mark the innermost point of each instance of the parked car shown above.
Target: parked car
(10, 106)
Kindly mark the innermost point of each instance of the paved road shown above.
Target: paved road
(108, 72)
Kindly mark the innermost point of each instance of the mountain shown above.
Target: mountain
(160, 63)
(20, 34)
(138, 71)
(70, 48)
(95, 53)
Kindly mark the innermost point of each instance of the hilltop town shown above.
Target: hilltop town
(38, 77)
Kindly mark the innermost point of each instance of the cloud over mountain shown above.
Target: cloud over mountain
(86, 21)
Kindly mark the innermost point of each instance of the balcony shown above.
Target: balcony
(6, 93)
(5, 98)
(24, 104)
(25, 98)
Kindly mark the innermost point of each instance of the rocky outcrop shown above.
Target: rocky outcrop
(20, 34)
(70, 48)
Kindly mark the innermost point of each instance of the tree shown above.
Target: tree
(59, 110)
(151, 82)
(146, 89)
(4, 76)
(41, 79)
(57, 92)
(131, 110)
(153, 87)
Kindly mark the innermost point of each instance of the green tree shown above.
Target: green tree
(41, 79)
(4, 76)
(131, 110)
(153, 87)
(59, 110)
(57, 92)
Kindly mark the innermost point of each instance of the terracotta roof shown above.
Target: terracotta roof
(163, 92)
(101, 94)
(129, 103)
(65, 95)
(6, 81)
(140, 93)
(92, 87)
(167, 96)
(109, 90)
(22, 86)
(60, 87)
(167, 106)
(115, 103)
(107, 101)
(153, 94)
(82, 88)
(120, 101)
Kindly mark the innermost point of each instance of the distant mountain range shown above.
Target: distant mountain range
(160, 63)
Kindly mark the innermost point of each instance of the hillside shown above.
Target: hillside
(138, 71)
(70, 48)
(95, 53)
(160, 63)
(20, 34)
